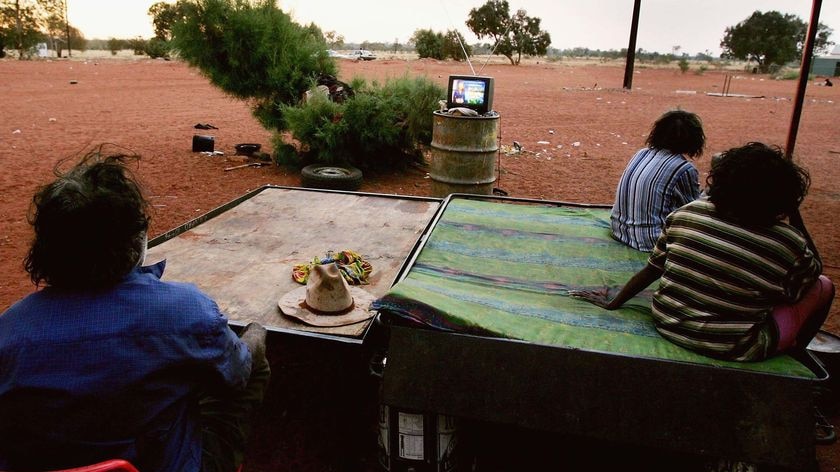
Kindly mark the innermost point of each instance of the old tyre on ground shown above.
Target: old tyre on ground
(331, 177)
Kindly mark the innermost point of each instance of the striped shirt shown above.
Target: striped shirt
(655, 183)
(721, 281)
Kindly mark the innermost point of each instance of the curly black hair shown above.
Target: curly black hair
(756, 184)
(90, 225)
(678, 131)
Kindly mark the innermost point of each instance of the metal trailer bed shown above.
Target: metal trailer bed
(685, 407)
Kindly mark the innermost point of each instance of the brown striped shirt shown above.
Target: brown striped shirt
(721, 281)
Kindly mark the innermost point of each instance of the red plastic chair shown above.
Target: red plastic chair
(112, 465)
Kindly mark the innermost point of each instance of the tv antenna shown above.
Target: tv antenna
(461, 43)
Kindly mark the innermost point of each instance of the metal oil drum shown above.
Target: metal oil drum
(464, 152)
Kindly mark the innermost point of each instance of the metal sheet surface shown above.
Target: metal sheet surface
(711, 411)
(242, 255)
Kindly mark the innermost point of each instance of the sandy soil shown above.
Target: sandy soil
(576, 125)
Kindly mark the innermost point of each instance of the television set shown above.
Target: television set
(470, 91)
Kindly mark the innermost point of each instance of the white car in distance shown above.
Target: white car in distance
(362, 55)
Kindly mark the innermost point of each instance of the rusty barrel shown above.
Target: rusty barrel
(464, 151)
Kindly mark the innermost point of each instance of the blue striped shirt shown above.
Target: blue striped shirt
(655, 183)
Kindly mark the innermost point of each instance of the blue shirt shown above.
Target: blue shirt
(88, 376)
(654, 183)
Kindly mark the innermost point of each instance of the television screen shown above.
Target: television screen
(471, 92)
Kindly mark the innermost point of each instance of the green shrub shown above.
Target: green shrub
(429, 44)
(787, 74)
(157, 47)
(382, 126)
(138, 45)
(683, 64)
(284, 153)
(114, 45)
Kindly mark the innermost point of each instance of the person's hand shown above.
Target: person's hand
(253, 335)
(599, 297)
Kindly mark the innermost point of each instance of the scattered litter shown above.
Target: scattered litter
(543, 142)
(53, 120)
(576, 144)
(551, 131)
(559, 146)
(213, 153)
(516, 145)
(17, 131)
(624, 142)
(252, 164)
(74, 82)
(686, 92)
(204, 126)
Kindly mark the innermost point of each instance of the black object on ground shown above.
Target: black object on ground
(204, 126)
(247, 149)
(202, 143)
(331, 177)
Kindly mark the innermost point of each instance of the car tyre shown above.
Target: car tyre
(331, 177)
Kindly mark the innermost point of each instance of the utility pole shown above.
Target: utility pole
(631, 48)
(67, 29)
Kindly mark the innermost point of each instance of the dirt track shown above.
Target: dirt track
(576, 124)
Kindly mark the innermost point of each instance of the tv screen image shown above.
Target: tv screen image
(471, 92)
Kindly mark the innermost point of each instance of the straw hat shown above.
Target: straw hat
(327, 300)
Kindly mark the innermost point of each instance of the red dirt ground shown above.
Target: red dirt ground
(150, 107)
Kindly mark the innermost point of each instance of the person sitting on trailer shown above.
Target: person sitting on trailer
(658, 179)
(107, 361)
(736, 281)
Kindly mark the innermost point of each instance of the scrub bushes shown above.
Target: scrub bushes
(254, 51)
(382, 126)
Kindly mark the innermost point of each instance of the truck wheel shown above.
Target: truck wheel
(331, 177)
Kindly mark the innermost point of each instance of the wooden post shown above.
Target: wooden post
(804, 69)
(631, 48)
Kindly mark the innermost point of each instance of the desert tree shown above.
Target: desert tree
(428, 43)
(254, 51)
(164, 15)
(513, 35)
(452, 46)
(770, 38)
(20, 25)
(334, 39)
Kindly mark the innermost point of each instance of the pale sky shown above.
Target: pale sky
(693, 25)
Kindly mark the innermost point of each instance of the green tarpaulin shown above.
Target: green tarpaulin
(505, 269)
